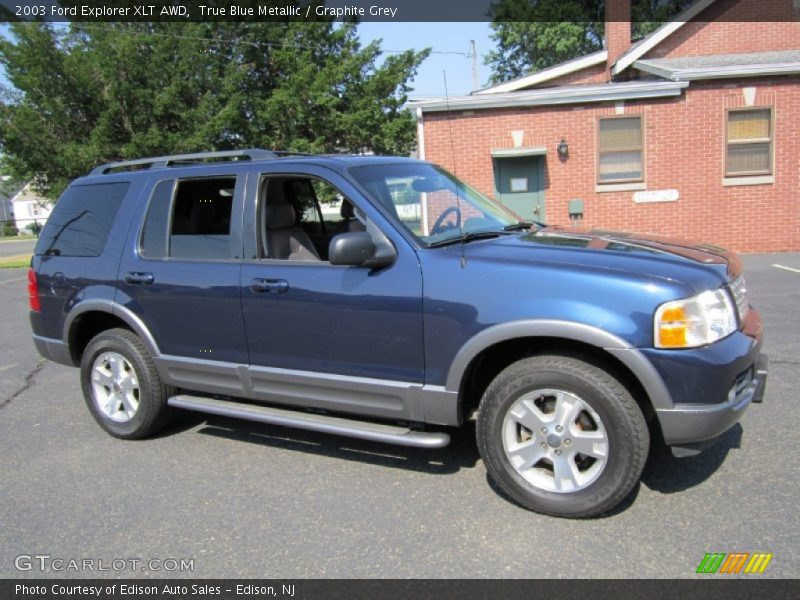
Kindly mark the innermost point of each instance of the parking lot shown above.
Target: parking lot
(249, 500)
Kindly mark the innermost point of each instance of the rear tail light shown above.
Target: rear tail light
(33, 292)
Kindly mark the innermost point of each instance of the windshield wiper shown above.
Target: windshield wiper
(467, 237)
(519, 226)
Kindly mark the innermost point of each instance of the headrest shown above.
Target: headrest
(347, 211)
(280, 215)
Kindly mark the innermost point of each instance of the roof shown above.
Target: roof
(606, 92)
(719, 66)
(554, 72)
(601, 56)
(659, 35)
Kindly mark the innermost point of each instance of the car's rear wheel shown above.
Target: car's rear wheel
(122, 387)
(562, 436)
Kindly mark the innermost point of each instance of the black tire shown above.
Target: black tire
(625, 427)
(153, 413)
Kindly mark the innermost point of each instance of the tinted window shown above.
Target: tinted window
(190, 219)
(82, 220)
(156, 225)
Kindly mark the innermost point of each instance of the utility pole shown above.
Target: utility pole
(474, 54)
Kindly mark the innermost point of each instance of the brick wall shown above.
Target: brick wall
(732, 27)
(596, 74)
(684, 140)
(618, 28)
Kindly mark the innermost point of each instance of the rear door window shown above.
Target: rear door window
(81, 220)
(189, 219)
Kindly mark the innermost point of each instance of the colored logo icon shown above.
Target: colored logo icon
(734, 562)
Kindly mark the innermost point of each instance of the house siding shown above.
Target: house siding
(684, 150)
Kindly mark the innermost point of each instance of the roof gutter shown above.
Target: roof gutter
(555, 96)
(693, 74)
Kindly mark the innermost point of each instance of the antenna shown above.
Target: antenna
(455, 174)
(474, 52)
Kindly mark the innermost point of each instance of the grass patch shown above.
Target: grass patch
(15, 262)
(18, 238)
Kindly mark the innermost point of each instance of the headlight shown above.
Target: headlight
(696, 321)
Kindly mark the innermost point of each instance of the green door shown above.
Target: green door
(519, 185)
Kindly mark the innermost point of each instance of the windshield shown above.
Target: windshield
(432, 204)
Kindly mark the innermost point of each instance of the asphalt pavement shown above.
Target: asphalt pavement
(248, 500)
(16, 247)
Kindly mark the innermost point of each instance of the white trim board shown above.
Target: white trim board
(658, 36)
(554, 72)
(607, 92)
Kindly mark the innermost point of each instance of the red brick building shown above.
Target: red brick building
(693, 131)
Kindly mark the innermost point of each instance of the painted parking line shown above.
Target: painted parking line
(792, 269)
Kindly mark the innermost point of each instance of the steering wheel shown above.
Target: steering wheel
(438, 225)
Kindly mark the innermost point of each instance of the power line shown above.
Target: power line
(466, 55)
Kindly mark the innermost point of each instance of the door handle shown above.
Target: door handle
(270, 286)
(139, 278)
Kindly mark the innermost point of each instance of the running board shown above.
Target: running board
(376, 432)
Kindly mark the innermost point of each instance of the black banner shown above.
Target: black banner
(90, 11)
(298, 589)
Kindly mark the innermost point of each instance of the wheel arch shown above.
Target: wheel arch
(90, 317)
(491, 350)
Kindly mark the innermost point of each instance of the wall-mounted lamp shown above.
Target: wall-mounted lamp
(563, 149)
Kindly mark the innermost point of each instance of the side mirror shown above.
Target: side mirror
(357, 249)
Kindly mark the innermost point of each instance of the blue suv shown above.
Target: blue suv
(384, 299)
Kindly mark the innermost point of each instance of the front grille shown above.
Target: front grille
(739, 290)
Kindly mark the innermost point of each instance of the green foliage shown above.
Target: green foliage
(99, 92)
(536, 34)
(9, 228)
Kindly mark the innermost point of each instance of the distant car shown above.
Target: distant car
(216, 283)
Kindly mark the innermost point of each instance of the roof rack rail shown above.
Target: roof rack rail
(184, 159)
(292, 153)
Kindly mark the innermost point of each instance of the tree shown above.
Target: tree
(91, 93)
(536, 34)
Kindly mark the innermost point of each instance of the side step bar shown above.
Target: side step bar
(376, 432)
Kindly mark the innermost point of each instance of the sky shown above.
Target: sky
(450, 39)
(441, 37)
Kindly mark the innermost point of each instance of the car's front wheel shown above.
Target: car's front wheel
(562, 436)
(121, 386)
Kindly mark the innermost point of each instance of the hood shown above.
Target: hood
(703, 265)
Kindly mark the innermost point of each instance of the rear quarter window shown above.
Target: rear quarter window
(81, 220)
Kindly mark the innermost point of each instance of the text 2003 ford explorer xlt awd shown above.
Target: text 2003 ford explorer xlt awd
(382, 298)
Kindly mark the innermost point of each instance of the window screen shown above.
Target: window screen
(82, 220)
(620, 152)
(749, 143)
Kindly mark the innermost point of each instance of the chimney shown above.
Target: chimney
(618, 29)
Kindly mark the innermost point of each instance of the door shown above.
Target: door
(519, 185)
(182, 280)
(334, 337)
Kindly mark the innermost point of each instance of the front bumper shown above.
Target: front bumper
(711, 387)
(689, 428)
